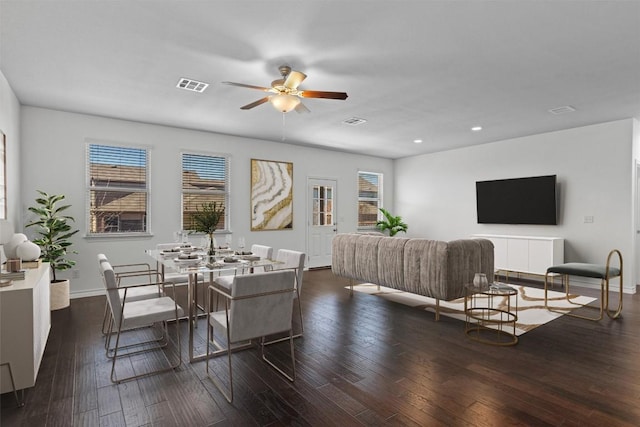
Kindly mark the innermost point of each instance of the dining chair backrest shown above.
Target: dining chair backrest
(101, 258)
(292, 259)
(110, 284)
(264, 252)
(261, 304)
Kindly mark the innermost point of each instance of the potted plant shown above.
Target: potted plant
(54, 242)
(206, 221)
(392, 223)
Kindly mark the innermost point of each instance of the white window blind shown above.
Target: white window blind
(205, 179)
(117, 192)
(369, 198)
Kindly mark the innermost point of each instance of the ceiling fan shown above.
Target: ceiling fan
(286, 93)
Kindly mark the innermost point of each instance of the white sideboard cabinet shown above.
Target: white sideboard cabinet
(25, 321)
(525, 254)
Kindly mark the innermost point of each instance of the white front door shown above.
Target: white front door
(321, 225)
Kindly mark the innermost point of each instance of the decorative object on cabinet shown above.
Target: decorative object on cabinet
(54, 241)
(271, 195)
(6, 233)
(28, 251)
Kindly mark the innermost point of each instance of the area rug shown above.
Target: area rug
(531, 310)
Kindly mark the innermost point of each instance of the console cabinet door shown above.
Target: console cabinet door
(518, 254)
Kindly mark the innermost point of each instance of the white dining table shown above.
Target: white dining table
(203, 265)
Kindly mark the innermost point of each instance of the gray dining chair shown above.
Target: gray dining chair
(258, 305)
(264, 252)
(129, 316)
(125, 273)
(290, 259)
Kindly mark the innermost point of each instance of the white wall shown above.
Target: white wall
(54, 156)
(435, 193)
(10, 126)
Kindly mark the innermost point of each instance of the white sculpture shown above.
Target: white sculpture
(28, 251)
(10, 248)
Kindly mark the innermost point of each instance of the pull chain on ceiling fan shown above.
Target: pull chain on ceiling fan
(286, 93)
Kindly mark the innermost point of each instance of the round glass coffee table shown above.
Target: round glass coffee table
(491, 314)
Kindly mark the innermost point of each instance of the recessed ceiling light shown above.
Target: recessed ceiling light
(192, 85)
(476, 128)
(562, 110)
(417, 141)
(354, 121)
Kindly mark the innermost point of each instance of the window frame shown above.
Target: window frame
(226, 192)
(89, 188)
(378, 199)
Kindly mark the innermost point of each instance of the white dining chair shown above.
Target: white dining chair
(126, 272)
(129, 316)
(264, 252)
(290, 259)
(259, 305)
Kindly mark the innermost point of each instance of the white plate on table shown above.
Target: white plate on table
(170, 254)
(234, 262)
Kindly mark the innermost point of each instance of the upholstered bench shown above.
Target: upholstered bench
(596, 271)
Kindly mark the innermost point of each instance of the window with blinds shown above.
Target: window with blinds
(369, 198)
(117, 193)
(205, 179)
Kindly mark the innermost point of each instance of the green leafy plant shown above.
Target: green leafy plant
(392, 223)
(54, 232)
(206, 220)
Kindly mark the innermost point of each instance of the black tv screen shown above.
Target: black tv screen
(529, 200)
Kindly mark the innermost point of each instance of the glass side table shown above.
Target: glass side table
(491, 314)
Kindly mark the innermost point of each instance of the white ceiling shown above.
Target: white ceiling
(412, 69)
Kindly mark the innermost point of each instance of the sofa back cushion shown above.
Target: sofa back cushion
(391, 262)
(343, 253)
(425, 267)
(366, 257)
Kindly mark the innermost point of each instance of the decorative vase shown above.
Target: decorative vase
(59, 297)
(480, 280)
(212, 245)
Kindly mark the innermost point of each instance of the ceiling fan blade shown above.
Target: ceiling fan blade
(301, 108)
(294, 79)
(255, 104)
(262, 88)
(321, 94)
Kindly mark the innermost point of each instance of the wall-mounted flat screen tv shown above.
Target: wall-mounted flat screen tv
(530, 200)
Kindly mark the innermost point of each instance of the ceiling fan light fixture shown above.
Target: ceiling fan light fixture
(284, 103)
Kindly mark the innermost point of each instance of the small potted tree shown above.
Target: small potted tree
(206, 221)
(54, 243)
(392, 223)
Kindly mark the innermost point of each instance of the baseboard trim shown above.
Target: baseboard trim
(86, 294)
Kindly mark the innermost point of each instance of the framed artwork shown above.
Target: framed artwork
(271, 195)
(3, 175)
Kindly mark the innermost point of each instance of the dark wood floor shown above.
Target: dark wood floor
(362, 361)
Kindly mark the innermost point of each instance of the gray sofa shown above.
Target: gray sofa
(432, 268)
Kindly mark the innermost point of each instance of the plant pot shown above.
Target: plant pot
(59, 294)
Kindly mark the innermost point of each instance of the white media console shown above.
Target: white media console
(525, 254)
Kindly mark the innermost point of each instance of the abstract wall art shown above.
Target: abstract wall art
(271, 195)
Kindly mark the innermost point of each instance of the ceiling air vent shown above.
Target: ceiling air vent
(192, 85)
(354, 121)
(562, 110)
